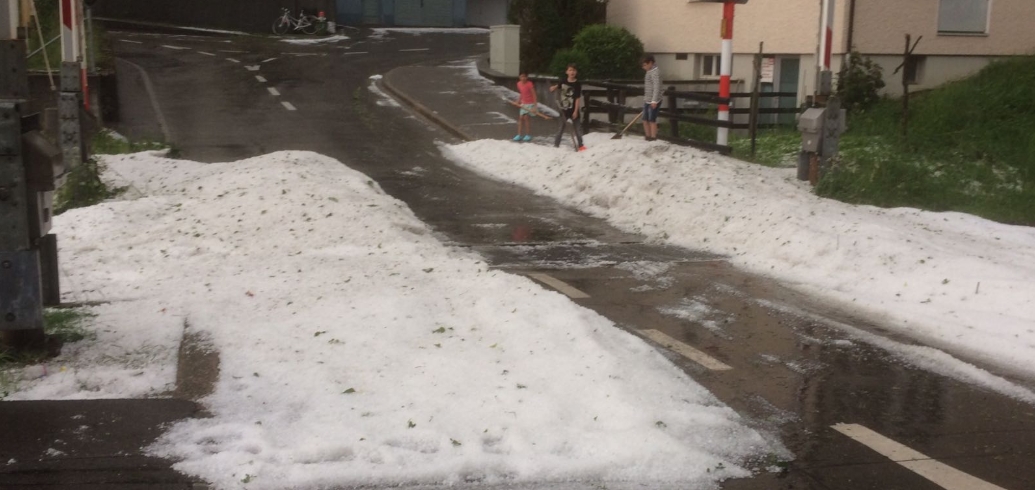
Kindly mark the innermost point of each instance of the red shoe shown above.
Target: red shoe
(582, 148)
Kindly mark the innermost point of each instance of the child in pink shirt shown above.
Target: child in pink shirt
(528, 104)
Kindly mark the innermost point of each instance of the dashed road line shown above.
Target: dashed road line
(174, 47)
(206, 53)
(134, 42)
(301, 54)
(559, 285)
(267, 60)
(233, 60)
(231, 51)
(260, 78)
(415, 49)
(252, 67)
(357, 52)
(686, 351)
(940, 473)
(287, 105)
(273, 91)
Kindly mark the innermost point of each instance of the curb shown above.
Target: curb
(424, 111)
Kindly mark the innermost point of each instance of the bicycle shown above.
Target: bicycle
(308, 24)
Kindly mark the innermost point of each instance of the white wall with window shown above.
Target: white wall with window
(963, 17)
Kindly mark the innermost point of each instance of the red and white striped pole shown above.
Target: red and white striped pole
(69, 36)
(725, 69)
(826, 44)
(72, 42)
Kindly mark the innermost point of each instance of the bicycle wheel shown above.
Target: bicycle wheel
(281, 25)
(309, 24)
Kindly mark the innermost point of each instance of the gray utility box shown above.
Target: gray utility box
(20, 291)
(811, 126)
(505, 49)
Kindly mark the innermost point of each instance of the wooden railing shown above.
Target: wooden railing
(611, 98)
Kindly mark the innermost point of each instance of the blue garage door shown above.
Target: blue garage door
(428, 13)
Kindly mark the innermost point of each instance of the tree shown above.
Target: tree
(548, 26)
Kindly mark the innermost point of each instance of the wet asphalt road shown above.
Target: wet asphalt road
(795, 373)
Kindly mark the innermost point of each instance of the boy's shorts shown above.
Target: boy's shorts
(527, 109)
(649, 114)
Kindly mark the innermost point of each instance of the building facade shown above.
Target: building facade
(959, 37)
(422, 13)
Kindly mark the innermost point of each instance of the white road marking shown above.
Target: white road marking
(128, 41)
(207, 53)
(252, 67)
(173, 47)
(686, 351)
(357, 52)
(231, 51)
(273, 91)
(559, 285)
(149, 87)
(233, 60)
(417, 49)
(260, 78)
(288, 106)
(941, 474)
(267, 60)
(300, 54)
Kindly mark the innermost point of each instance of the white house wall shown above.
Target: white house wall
(675, 26)
(790, 28)
(881, 26)
(936, 71)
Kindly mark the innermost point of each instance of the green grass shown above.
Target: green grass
(970, 148)
(83, 185)
(65, 325)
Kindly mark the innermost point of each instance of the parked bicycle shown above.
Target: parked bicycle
(306, 23)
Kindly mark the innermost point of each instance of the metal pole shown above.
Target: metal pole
(8, 19)
(80, 27)
(725, 70)
(824, 78)
(90, 49)
(70, 99)
(21, 309)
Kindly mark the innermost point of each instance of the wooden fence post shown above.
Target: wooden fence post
(673, 122)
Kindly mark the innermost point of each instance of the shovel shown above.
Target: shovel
(627, 126)
(536, 112)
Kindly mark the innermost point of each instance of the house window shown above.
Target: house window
(682, 56)
(710, 65)
(914, 69)
(963, 16)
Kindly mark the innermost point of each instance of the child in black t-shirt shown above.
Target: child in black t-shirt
(569, 98)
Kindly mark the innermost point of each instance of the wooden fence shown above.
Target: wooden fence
(679, 109)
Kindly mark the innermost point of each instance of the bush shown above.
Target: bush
(612, 52)
(859, 83)
(565, 56)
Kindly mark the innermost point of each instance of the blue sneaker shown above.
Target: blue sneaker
(517, 138)
(527, 138)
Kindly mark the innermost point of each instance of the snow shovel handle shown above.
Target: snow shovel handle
(627, 126)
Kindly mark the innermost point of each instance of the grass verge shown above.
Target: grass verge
(968, 149)
(62, 325)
